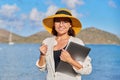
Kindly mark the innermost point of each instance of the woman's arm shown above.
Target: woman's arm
(87, 67)
(41, 62)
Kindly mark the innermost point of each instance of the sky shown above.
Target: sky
(24, 17)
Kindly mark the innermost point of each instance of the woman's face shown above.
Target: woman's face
(62, 25)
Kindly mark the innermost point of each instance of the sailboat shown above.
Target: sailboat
(10, 38)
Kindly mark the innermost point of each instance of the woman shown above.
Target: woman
(64, 27)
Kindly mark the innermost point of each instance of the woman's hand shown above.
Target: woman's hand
(65, 56)
(43, 50)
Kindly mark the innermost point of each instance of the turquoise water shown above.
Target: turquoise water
(17, 62)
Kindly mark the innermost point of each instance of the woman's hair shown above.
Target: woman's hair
(70, 31)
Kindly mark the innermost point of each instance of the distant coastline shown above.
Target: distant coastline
(89, 36)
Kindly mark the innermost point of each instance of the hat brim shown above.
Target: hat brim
(48, 23)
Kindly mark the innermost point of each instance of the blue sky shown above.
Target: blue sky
(25, 16)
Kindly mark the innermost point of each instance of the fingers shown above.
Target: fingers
(65, 56)
(43, 49)
(64, 52)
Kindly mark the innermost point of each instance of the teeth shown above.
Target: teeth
(61, 29)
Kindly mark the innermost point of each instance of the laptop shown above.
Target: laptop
(77, 52)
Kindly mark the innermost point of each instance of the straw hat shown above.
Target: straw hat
(48, 22)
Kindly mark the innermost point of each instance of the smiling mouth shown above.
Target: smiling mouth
(61, 28)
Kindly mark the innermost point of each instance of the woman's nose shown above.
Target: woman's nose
(61, 23)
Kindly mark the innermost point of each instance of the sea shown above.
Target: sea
(17, 62)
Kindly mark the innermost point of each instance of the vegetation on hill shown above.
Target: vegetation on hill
(97, 36)
(89, 36)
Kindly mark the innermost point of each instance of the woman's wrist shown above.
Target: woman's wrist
(42, 54)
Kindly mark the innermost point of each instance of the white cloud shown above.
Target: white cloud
(10, 18)
(51, 10)
(79, 15)
(8, 15)
(35, 15)
(8, 10)
(111, 3)
(2, 23)
(23, 16)
(31, 19)
(73, 3)
(74, 13)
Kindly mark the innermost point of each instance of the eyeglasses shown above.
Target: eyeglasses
(62, 20)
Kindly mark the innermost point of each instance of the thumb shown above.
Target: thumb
(63, 49)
